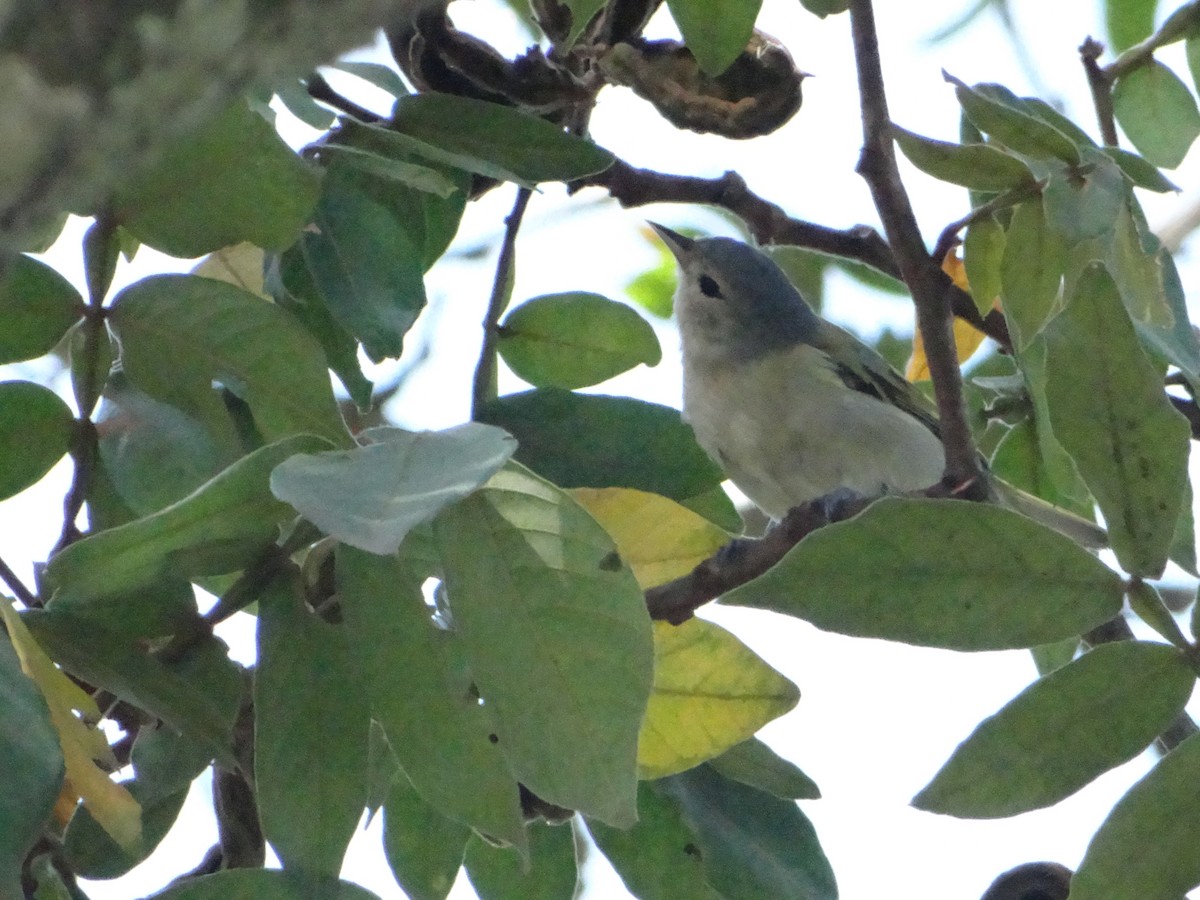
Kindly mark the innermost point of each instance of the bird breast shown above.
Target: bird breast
(786, 430)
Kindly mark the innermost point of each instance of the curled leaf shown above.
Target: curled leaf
(757, 94)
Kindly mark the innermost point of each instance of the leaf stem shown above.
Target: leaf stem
(485, 388)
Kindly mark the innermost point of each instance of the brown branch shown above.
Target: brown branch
(743, 561)
(1190, 411)
(1100, 82)
(929, 285)
(484, 387)
(631, 186)
(20, 591)
(320, 89)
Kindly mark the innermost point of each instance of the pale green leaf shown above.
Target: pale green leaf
(1158, 112)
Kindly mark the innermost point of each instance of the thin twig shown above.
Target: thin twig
(929, 285)
(1100, 82)
(20, 591)
(320, 89)
(948, 239)
(484, 388)
(84, 444)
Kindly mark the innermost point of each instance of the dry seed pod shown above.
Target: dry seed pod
(757, 94)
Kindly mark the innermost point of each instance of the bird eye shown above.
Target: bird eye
(708, 287)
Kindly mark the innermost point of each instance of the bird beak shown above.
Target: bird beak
(676, 242)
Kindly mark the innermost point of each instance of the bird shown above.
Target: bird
(794, 408)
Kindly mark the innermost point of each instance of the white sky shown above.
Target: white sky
(876, 720)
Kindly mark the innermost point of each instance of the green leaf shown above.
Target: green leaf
(590, 440)
(37, 306)
(366, 266)
(370, 497)
(424, 848)
(754, 846)
(983, 255)
(232, 180)
(1050, 657)
(886, 574)
(108, 659)
(1081, 206)
(1128, 22)
(980, 167)
(33, 767)
(825, 8)
(1031, 271)
(549, 873)
(1020, 461)
(1108, 411)
(557, 637)
(1140, 171)
(291, 285)
(263, 884)
(431, 220)
(574, 340)
(420, 692)
(1158, 112)
(497, 141)
(657, 858)
(293, 94)
(180, 334)
(417, 177)
(996, 111)
(716, 31)
(154, 453)
(1136, 266)
(383, 77)
(1062, 732)
(36, 429)
(1145, 847)
(93, 854)
(310, 734)
(218, 529)
(755, 764)
(582, 12)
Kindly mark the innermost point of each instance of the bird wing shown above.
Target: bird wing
(862, 369)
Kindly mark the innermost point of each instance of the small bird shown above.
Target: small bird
(793, 407)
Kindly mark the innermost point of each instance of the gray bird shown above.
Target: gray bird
(793, 407)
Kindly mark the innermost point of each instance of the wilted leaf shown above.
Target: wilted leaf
(657, 538)
(711, 692)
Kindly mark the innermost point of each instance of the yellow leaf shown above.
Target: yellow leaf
(658, 539)
(710, 692)
(967, 338)
(83, 745)
(240, 265)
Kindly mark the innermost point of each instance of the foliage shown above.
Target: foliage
(456, 626)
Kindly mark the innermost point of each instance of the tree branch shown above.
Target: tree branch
(631, 186)
(929, 285)
(1100, 83)
(20, 591)
(484, 388)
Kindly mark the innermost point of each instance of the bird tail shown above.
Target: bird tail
(1077, 528)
